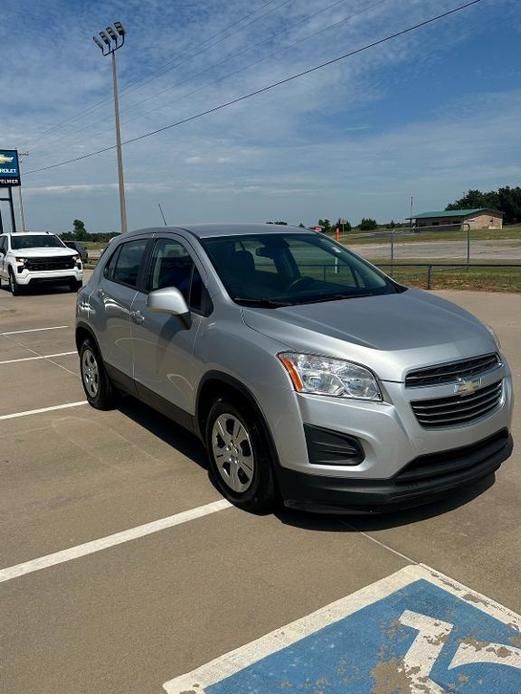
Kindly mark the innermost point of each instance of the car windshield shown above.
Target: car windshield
(24, 241)
(272, 270)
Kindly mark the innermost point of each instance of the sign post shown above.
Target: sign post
(9, 178)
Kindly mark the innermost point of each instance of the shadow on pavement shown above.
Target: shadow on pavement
(168, 431)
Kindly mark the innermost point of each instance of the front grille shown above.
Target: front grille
(457, 409)
(448, 373)
(46, 264)
(453, 461)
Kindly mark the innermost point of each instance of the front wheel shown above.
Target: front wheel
(94, 377)
(240, 464)
(14, 287)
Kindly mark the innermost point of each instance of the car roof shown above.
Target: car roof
(203, 231)
(28, 233)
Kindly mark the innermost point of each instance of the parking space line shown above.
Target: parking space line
(111, 540)
(42, 356)
(32, 330)
(41, 410)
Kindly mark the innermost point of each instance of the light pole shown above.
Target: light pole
(111, 40)
(22, 215)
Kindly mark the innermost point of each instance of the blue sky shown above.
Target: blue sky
(430, 114)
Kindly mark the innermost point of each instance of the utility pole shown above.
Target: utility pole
(410, 218)
(20, 199)
(113, 39)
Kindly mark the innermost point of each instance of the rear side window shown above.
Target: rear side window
(124, 265)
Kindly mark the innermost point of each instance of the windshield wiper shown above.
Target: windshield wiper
(261, 303)
(333, 297)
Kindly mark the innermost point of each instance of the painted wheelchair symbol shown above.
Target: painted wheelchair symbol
(428, 644)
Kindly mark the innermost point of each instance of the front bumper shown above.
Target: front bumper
(424, 480)
(52, 276)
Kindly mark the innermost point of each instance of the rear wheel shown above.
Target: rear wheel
(14, 287)
(240, 464)
(94, 377)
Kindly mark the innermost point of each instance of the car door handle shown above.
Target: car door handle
(137, 317)
(101, 293)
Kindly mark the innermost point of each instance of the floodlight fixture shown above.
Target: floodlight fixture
(98, 43)
(120, 28)
(105, 38)
(110, 31)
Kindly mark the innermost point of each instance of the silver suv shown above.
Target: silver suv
(310, 375)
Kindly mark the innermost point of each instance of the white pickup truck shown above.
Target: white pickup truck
(27, 259)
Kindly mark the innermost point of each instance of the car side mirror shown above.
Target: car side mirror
(168, 300)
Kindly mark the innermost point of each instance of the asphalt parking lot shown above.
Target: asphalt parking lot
(122, 570)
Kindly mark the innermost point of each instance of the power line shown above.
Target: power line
(314, 34)
(262, 90)
(138, 83)
(249, 65)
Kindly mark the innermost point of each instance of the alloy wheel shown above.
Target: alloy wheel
(233, 452)
(90, 372)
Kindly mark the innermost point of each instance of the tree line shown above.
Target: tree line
(506, 200)
(80, 233)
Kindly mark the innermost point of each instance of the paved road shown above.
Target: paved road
(128, 614)
(480, 251)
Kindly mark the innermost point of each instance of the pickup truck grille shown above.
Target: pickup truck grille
(449, 373)
(51, 263)
(458, 409)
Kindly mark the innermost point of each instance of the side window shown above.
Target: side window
(109, 267)
(128, 262)
(3, 245)
(172, 266)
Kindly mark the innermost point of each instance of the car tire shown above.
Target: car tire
(14, 287)
(75, 285)
(98, 388)
(240, 464)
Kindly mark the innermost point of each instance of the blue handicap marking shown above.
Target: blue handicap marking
(422, 637)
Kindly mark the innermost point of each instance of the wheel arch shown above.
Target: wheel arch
(216, 384)
(82, 331)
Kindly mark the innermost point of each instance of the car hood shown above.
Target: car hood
(390, 333)
(44, 252)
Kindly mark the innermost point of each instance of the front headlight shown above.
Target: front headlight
(328, 376)
(20, 260)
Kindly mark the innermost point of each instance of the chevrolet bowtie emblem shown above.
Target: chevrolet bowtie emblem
(5, 160)
(467, 386)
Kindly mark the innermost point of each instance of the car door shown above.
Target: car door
(163, 345)
(112, 301)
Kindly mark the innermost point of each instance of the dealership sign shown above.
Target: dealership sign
(9, 168)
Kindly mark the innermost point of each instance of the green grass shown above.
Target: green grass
(488, 279)
(94, 245)
(512, 233)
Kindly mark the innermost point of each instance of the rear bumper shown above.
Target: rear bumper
(422, 481)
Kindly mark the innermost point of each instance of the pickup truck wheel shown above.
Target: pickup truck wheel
(240, 465)
(14, 287)
(94, 377)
